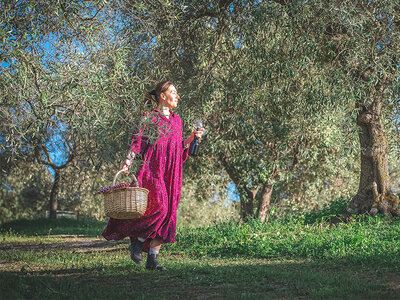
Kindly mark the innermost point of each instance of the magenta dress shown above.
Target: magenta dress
(161, 174)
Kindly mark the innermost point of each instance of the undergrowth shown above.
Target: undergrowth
(370, 241)
(365, 240)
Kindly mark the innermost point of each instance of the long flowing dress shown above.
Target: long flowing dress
(161, 174)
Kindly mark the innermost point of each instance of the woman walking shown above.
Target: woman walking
(161, 174)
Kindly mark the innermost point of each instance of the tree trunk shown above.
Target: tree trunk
(374, 193)
(54, 195)
(247, 205)
(246, 209)
(265, 201)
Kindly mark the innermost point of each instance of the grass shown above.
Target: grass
(367, 241)
(290, 259)
(41, 227)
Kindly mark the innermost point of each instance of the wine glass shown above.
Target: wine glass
(198, 124)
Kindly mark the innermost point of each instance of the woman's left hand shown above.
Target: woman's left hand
(198, 133)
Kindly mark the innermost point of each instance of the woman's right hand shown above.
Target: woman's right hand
(125, 169)
(199, 132)
(128, 162)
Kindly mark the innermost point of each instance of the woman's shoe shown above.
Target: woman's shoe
(136, 252)
(152, 263)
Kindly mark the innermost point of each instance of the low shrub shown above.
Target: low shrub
(334, 210)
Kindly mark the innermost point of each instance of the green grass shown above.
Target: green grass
(42, 227)
(281, 259)
(368, 241)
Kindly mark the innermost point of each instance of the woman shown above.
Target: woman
(161, 174)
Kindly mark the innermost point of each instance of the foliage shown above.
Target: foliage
(327, 213)
(24, 192)
(200, 213)
(275, 82)
(81, 195)
(67, 95)
(261, 90)
(365, 240)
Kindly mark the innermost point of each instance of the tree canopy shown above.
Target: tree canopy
(284, 88)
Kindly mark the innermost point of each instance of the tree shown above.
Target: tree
(23, 191)
(65, 91)
(277, 83)
(225, 59)
(359, 40)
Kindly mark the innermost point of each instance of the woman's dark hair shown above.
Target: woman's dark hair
(153, 97)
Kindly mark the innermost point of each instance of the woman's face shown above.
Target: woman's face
(170, 97)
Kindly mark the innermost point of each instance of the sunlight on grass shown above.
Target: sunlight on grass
(274, 260)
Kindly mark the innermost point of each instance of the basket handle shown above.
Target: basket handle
(134, 178)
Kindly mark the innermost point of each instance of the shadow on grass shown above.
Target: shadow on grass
(203, 279)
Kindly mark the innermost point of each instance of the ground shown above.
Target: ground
(82, 267)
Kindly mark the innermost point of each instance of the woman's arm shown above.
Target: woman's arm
(128, 162)
(198, 133)
(134, 149)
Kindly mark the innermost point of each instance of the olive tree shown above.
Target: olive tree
(65, 91)
(241, 66)
(359, 40)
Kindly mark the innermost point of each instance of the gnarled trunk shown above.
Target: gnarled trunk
(264, 203)
(247, 205)
(246, 209)
(374, 193)
(54, 195)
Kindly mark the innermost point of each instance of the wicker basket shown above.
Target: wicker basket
(125, 203)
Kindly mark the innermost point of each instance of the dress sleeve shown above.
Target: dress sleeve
(185, 152)
(139, 142)
(136, 142)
